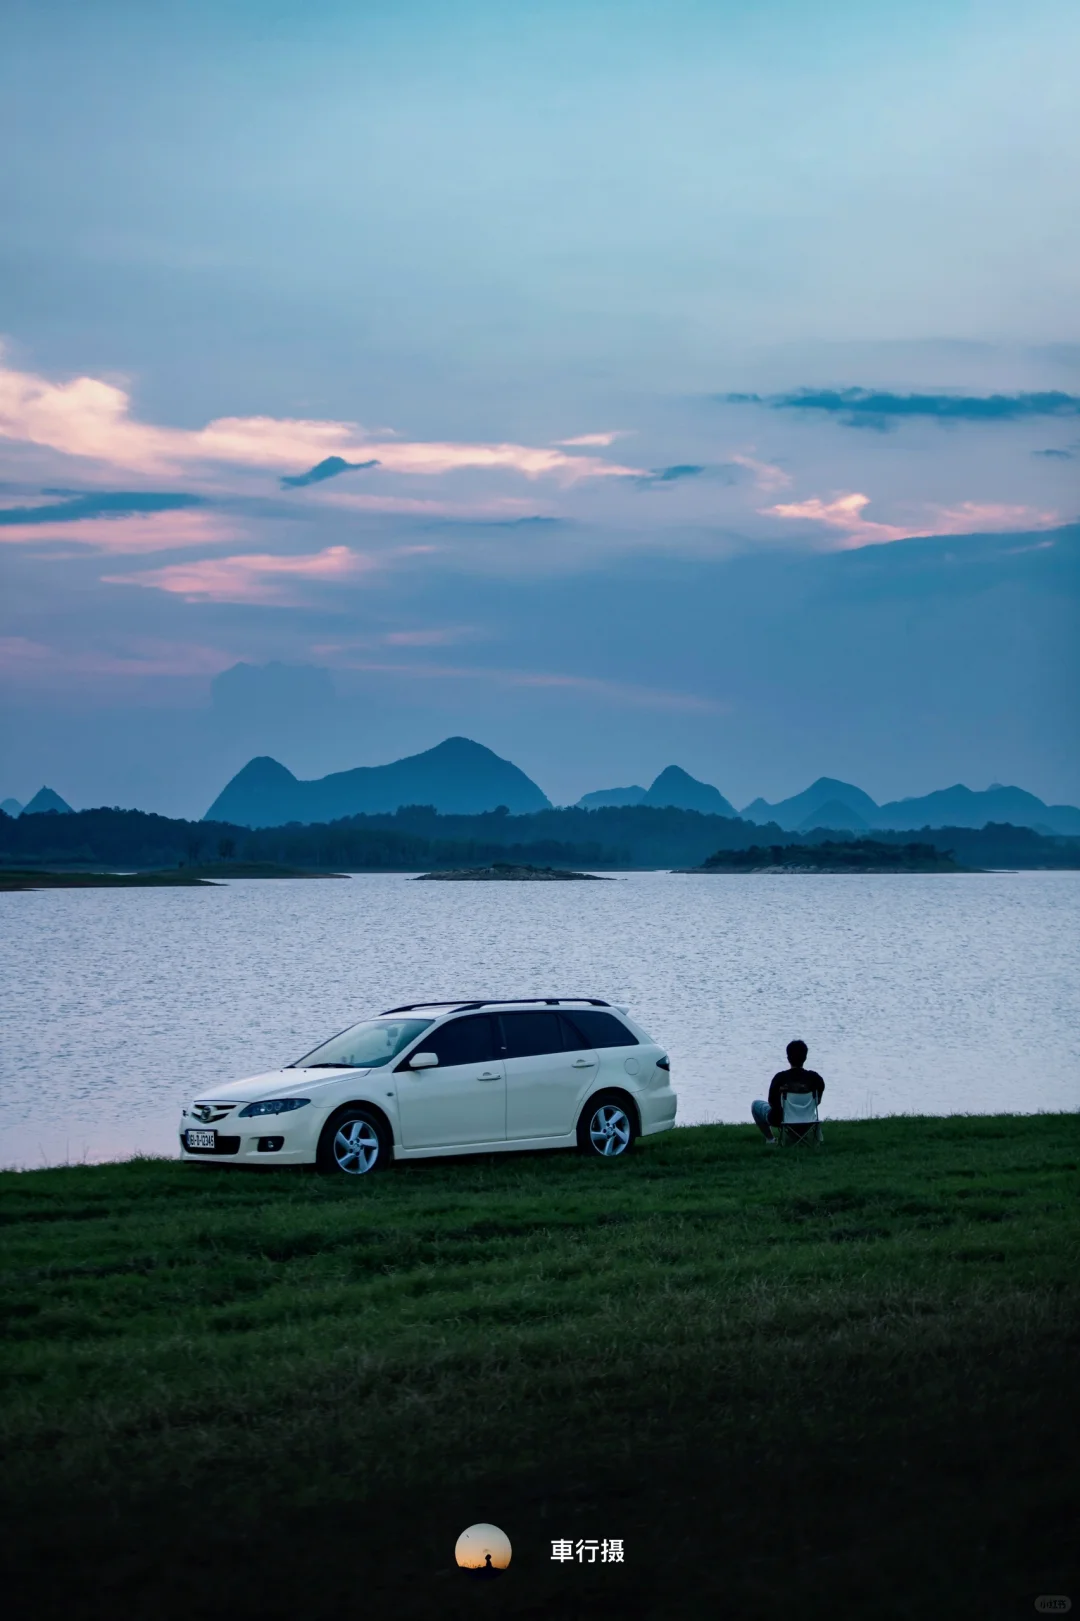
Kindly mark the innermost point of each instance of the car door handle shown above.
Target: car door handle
(488, 1075)
(584, 1063)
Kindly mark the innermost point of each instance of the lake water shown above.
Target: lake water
(917, 994)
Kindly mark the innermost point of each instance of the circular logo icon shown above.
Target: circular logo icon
(482, 1552)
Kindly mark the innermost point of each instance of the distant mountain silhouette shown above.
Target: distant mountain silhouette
(46, 800)
(10, 807)
(797, 812)
(458, 777)
(963, 807)
(677, 787)
(836, 814)
(830, 803)
(612, 796)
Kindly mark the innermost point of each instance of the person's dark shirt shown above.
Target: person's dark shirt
(792, 1080)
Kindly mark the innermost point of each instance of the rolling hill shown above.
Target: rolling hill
(458, 777)
(831, 803)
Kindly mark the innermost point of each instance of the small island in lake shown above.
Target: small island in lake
(507, 872)
(847, 855)
(201, 877)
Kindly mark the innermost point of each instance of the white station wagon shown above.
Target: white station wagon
(446, 1078)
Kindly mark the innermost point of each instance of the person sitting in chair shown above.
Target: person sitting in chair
(796, 1079)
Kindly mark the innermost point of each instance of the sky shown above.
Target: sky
(618, 385)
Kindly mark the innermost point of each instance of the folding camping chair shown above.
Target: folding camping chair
(800, 1123)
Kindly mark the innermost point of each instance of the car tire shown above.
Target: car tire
(607, 1127)
(354, 1143)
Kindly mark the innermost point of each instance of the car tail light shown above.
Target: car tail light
(664, 1063)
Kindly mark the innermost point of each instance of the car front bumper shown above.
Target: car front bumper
(264, 1140)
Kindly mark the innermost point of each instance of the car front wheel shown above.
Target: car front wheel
(354, 1142)
(606, 1128)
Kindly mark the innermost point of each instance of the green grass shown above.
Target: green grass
(787, 1379)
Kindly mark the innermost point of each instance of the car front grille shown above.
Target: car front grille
(208, 1113)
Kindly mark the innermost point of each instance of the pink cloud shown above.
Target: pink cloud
(597, 439)
(155, 532)
(845, 513)
(620, 692)
(971, 516)
(501, 507)
(767, 476)
(254, 578)
(426, 638)
(88, 417)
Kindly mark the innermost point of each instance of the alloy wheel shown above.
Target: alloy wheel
(609, 1130)
(356, 1147)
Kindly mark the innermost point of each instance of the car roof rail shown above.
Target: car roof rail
(499, 1001)
(409, 1007)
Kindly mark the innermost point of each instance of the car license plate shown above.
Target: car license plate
(201, 1139)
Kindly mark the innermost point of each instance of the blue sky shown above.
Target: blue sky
(665, 332)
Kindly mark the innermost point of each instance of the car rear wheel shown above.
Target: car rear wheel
(606, 1127)
(354, 1142)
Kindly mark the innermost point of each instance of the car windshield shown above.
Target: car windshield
(364, 1046)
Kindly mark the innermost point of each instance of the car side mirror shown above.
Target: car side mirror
(423, 1061)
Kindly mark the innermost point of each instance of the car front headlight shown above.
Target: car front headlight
(272, 1106)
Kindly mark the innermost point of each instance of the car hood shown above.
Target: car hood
(275, 1083)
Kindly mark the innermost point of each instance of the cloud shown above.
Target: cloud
(534, 520)
(597, 439)
(330, 467)
(253, 579)
(767, 476)
(620, 692)
(531, 461)
(1056, 455)
(869, 408)
(88, 417)
(39, 663)
(669, 475)
(845, 513)
(104, 504)
(500, 509)
(157, 532)
(975, 517)
(432, 637)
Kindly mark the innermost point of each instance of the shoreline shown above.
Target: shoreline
(15, 880)
(139, 1158)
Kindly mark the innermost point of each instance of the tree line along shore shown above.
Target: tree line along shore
(416, 839)
(220, 1383)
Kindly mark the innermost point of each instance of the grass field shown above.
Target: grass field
(794, 1383)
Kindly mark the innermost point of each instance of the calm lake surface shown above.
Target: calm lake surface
(917, 994)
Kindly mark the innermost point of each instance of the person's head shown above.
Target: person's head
(796, 1054)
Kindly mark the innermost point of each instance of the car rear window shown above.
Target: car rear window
(527, 1035)
(601, 1029)
(464, 1041)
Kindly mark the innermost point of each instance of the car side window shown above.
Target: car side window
(573, 1040)
(464, 1041)
(528, 1035)
(601, 1029)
